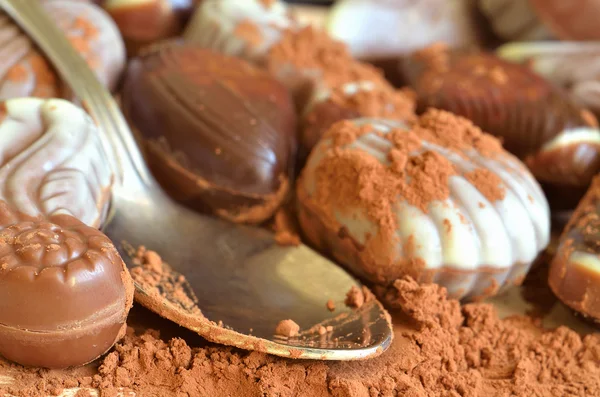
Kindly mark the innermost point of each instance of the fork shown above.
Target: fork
(237, 275)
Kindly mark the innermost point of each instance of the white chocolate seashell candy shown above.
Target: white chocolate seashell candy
(440, 201)
(246, 29)
(52, 161)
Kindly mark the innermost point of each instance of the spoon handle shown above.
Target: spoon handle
(118, 141)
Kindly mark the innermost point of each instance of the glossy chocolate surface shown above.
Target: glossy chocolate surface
(64, 290)
(218, 131)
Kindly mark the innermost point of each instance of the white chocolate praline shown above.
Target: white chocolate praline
(52, 161)
(246, 29)
(465, 235)
(380, 28)
(514, 19)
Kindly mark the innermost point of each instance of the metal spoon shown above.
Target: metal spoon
(239, 275)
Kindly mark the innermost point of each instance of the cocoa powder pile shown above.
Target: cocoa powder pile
(440, 349)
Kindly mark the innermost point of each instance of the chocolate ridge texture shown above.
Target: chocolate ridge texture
(438, 200)
(219, 133)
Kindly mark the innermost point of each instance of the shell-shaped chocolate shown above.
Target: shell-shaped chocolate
(447, 228)
(220, 133)
(64, 290)
(514, 19)
(25, 72)
(246, 29)
(536, 121)
(52, 161)
(381, 28)
(570, 20)
(575, 271)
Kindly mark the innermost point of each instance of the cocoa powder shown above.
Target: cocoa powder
(440, 349)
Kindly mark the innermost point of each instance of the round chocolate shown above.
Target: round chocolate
(148, 21)
(220, 134)
(574, 274)
(64, 291)
(570, 20)
(439, 200)
(536, 121)
(52, 161)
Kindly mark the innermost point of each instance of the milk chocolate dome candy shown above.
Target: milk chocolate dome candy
(220, 134)
(514, 19)
(382, 28)
(363, 98)
(439, 200)
(25, 72)
(51, 160)
(64, 291)
(537, 122)
(575, 271)
(246, 29)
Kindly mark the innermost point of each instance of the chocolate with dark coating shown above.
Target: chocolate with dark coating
(64, 291)
(220, 134)
(537, 122)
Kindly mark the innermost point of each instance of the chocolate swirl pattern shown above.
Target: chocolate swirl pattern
(64, 290)
(52, 161)
(25, 72)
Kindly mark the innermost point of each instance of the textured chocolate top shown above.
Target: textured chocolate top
(222, 122)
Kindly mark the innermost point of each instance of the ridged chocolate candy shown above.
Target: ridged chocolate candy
(536, 121)
(220, 134)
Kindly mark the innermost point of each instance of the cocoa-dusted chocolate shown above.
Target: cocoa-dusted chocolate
(220, 134)
(364, 98)
(558, 140)
(64, 290)
(52, 161)
(575, 271)
(144, 22)
(439, 200)
(25, 72)
(246, 29)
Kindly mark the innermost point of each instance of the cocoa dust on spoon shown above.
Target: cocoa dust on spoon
(441, 348)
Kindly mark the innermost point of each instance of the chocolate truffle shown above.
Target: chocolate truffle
(514, 19)
(64, 291)
(438, 200)
(570, 20)
(537, 122)
(220, 134)
(25, 72)
(143, 22)
(571, 65)
(574, 273)
(52, 161)
(246, 29)
(328, 105)
(375, 29)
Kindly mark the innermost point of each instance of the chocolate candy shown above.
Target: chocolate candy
(514, 19)
(25, 72)
(439, 200)
(575, 271)
(51, 160)
(64, 291)
(246, 29)
(328, 105)
(570, 20)
(537, 122)
(219, 133)
(148, 21)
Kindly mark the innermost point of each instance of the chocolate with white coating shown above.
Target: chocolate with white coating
(52, 161)
(355, 205)
(64, 291)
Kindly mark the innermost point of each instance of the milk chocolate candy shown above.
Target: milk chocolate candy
(64, 291)
(439, 201)
(570, 20)
(246, 29)
(219, 133)
(144, 22)
(575, 271)
(25, 72)
(52, 161)
(536, 121)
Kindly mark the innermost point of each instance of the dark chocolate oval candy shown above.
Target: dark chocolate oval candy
(220, 133)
